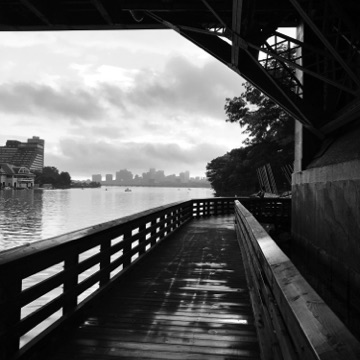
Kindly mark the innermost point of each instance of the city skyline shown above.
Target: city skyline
(136, 98)
(104, 175)
(153, 177)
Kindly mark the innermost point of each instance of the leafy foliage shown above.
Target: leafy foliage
(262, 119)
(231, 174)
(51, 175)
(271, 140)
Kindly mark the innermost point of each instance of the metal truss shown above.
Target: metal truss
(334, 55)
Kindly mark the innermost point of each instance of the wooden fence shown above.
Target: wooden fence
(44, 284)
(104, 252)
(293, 322)
(266, 210)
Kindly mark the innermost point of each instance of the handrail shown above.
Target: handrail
(81, 260)
(266, 210)
(293, 322)
(114, 246)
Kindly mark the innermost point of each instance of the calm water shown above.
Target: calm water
(28, 216)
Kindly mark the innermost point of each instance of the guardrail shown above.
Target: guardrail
(267, 210)
(44, 284)
(293, 322)
(75, 268)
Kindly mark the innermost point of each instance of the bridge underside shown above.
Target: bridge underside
(237, 33)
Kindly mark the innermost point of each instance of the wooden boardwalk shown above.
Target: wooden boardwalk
(187, 300)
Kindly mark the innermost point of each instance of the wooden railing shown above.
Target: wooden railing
(45, 284)
(213, 206)
(71, 265)
(267, 210)
(293, 322)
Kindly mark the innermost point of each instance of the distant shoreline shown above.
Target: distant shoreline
(189, 186)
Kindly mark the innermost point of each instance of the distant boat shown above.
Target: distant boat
(128, 190)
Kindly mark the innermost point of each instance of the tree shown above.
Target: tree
(261, 118)
(270, 139)
(231, 174)
(51, 175)
(64, 179)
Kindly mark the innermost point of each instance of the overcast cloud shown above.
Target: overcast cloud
(132, 101)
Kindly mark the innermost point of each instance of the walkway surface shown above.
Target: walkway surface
(188, 300)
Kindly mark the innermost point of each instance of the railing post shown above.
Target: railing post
(206, 208)
(71, 281)
(216, 210)
(142, 238)
(195, 209)
(171, 221)
(153, 233)
(176, 218)
(127, 247)
(105, 261)
(10, 312)
(162, 226)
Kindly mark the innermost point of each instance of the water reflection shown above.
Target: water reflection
(20, 217)
(31, 215)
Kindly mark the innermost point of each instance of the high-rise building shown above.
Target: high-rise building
(29, 154)
(96, 178)
(124, 175)
(184, 177)
(109, 177)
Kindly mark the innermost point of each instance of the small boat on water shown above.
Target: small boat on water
(127, 190)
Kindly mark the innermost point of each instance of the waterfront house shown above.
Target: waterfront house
(16, 177)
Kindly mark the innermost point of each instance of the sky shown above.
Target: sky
(110, 100)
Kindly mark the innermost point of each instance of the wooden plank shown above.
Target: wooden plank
(175, 334)
(189, 300)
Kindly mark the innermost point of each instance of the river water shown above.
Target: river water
(31, 215)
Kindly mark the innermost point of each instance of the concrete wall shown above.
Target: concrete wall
(326, 206)
(326, 222)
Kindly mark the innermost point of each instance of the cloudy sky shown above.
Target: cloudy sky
(105, 101)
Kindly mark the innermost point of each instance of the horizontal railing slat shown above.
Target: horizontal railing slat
(39, 289)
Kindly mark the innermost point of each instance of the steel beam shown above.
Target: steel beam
(236, 28)
(104, 13)
(252, 71)
(36, 11)
(325, 41)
